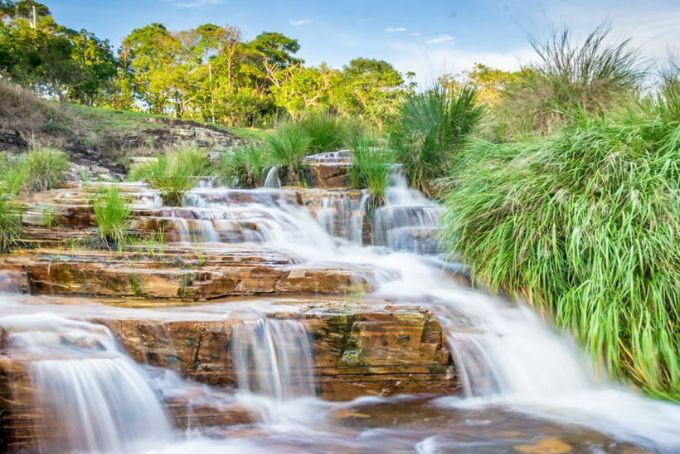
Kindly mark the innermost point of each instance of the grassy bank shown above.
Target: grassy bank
(584, 223)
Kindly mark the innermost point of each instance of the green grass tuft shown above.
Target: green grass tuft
(584, 223)
(569, 79)
(113, 215)
(287, 146)
(173, 173)
(245, 164)
(430, 130)
(44, 168)
(371, 167)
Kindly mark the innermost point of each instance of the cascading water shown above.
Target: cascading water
(273, 358)
(92, 397)
(407, 221)
(272, 178)
(508, 360)
(342, 217)
(505, 354)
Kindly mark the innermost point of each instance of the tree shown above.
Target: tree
(276, 51)
(150, 53)
(304, 88)
(372, 88)
(95, 67)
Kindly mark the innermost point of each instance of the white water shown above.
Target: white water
(407, 221)
(272, 178)
(92, 396)
(506, 355)
(273, 358)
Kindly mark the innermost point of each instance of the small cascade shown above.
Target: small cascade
(272, 217)
(9, 282)
(272, 180)
(92, 396)
(273, 358)
(407, 221)
(342, 217)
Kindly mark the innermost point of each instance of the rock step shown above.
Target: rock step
(180, 277)
(360, 347)
(24, 426)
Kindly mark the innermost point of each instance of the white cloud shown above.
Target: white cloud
(300, 22)
(439, 39)
(429, 63)
(197, 3)
(395, 29)
(414, 34)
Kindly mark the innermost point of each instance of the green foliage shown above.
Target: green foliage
(245, 164)
(372, 89)
(173, 173)
(11, 180)
(54, 59)
(113, 215)
(569, 79)
(287, 146)
(207, 73)
(429, 131)
(44, 168)
(585, 223)
(371, 167)
(10, 222)
(324, 130)
(12, 175)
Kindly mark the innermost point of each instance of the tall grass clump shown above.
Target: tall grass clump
(244, 164)
(173, 173)
(569, 78)
(11, 180)
(113, 215)
(10, 222)
(585, 223)
(371, 167)
(325, 131)
(430, 130)
(45, 168)
(287, 146)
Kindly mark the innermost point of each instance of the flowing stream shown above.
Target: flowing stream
(516, 370)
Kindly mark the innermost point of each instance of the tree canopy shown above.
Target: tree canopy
(208, 73)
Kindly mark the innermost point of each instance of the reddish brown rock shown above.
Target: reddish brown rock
(365, 350)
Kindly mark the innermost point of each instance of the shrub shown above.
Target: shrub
(113, 215)
(325, 131)
(173, 173)
(10, 222)
(288, 145)
(371, 167)
(568, 78)
(585, 223)
(12, 175)
(430, 129)
(245, 164)
(44, 168)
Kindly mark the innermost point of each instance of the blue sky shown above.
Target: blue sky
(429, 37)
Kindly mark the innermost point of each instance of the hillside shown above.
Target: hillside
(97, 136)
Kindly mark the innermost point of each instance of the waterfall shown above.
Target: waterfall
(273, 358)
(272, 179)
(342, 217)
(407, 221)
(92, 397)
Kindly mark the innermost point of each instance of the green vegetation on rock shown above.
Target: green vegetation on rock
(581, 218)
(173, 173)
(113, 215)
(430, 130)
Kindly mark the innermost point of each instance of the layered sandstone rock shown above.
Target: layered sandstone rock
(358, 349)
(184, 276)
